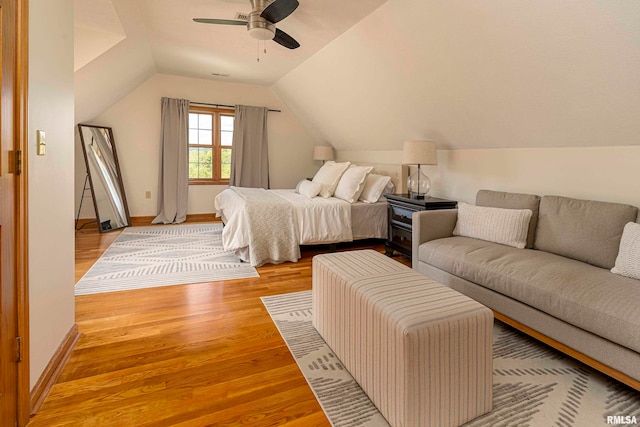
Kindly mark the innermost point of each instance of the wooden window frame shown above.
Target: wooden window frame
(216, 146)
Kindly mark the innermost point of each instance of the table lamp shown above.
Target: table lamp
(323, 152)
(419, 153)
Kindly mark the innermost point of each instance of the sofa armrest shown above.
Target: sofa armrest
(431, 225)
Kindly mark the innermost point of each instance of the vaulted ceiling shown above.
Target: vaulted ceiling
(180, 46)
(373, 73)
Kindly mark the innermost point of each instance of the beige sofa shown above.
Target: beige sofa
(559, 288)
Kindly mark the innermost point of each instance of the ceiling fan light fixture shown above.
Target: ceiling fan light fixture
(259, 28)
(261, 21)
(261, 33)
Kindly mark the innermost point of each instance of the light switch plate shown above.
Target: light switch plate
(42, 143)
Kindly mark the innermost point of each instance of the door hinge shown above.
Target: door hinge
(18, 349)
(15, 162)
(19, 168)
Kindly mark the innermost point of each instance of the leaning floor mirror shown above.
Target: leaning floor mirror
(104, 175)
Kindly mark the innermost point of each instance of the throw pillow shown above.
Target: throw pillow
(309, 188)
(628, 260)
(351, 183)
(501, 199)
(390, 188)
(374, 187)
(329, 176)
(505, 226)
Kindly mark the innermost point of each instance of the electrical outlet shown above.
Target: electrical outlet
(147, 194)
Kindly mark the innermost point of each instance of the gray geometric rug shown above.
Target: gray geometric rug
(534, 385)
(161, 255)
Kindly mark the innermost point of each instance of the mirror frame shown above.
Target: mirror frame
(91, 178)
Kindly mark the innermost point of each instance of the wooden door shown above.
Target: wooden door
(12, 215)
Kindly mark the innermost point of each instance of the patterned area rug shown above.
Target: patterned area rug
(147, 257)
(534, 385)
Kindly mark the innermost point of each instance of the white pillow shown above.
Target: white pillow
(389, 189)
(374, 186)
(351, 183)
(309, 188)
(329, 176)
(628, 260)
(505, 226)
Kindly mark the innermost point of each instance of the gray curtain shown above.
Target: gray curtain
(174, 169)
(250, 155)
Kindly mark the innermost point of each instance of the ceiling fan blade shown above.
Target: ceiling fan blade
(220, 21)
(279, 9)
(285, 39)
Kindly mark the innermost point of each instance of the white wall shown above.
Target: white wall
(609, 174)
(135, 120)
(540, 96)
(107, 78)
(97, 29)
(50, 182)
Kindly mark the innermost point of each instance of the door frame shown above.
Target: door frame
(21, 101)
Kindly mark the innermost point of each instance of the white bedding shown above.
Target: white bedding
(319, 220)
(270, 220)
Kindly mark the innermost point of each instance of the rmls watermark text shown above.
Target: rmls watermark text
(622, 419)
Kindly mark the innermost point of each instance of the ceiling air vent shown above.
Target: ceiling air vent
(241, 16)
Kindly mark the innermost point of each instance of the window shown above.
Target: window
(210, 137)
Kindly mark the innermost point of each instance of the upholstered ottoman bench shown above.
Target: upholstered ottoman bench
(421, 351)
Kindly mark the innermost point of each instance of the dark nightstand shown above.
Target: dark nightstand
(401, 208)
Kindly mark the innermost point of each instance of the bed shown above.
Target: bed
(268, 226)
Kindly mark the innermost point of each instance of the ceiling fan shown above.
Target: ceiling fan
(262, 20)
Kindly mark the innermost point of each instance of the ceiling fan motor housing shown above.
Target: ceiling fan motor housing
(261, 21)
(259, 28)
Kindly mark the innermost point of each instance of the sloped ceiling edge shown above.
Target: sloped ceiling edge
(468, 74)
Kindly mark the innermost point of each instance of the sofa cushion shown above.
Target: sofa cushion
(501, 199)
(628, 260)
(504, 226)
(584, 230)
(585, 296)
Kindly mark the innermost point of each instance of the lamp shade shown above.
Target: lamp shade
(419, 153)
(323, 152)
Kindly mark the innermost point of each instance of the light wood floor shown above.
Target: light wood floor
(188, 355)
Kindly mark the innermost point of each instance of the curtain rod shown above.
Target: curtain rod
(226, 106)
